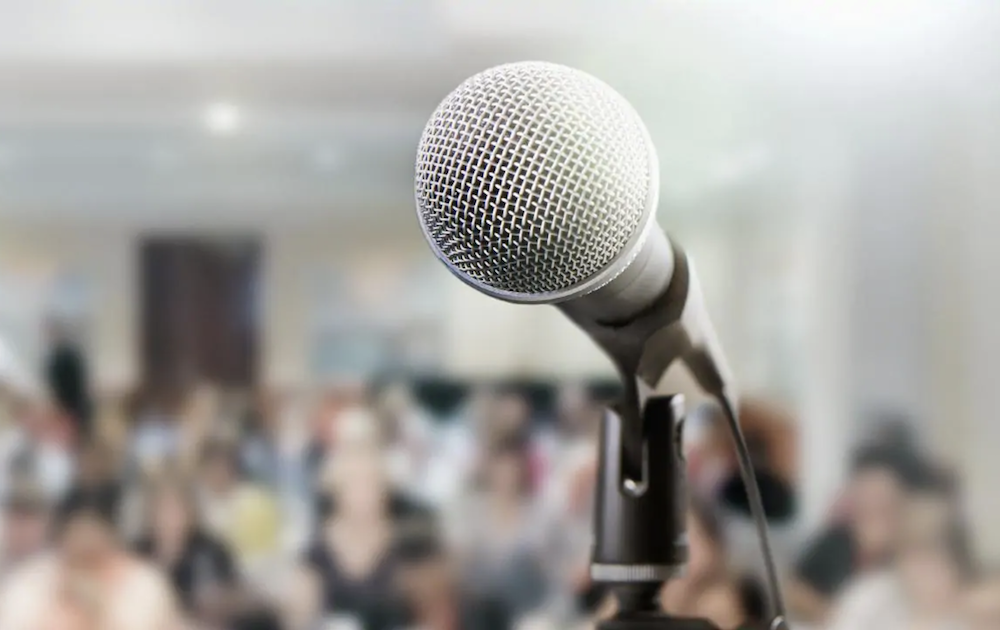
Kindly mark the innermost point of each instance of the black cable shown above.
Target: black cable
(777, 603)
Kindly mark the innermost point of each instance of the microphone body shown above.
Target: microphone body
(538, 184)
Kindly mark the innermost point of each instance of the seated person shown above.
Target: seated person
(433, 593)
(500, 531)
(199, 566)
(237, 512)
(90, 581)
(924, 586)
(861, 540)
(353, 557)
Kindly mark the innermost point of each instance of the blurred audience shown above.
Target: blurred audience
(435, 596)
(200, 567)
(352, 509)
(24, 525)
(156, 437)
(354, 555)
(857, 541)
(67, 376)
(240, 513)
(91, 581)
(924, 584)
(500, 530)
(36, 446)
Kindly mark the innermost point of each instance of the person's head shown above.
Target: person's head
(508, 415)
(426, 573)
(358, 428)
(507, 470)
(357, 485)
(875, 494)
(86, 525)
(25, 522)
(96, 463)
(577, 411)
(265, 406)
(172, 510)
(706, 541)
(220, 466)
(395, 402)
(200, 407)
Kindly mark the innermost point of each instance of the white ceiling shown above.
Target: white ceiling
(101, 102)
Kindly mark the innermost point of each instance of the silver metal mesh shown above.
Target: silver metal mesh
(533, 178)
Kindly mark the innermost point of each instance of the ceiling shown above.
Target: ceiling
(103, 103)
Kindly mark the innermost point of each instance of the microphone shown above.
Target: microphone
(538, 184)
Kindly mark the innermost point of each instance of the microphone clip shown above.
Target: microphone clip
(640, 535)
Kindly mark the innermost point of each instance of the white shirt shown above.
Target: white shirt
(877, 602)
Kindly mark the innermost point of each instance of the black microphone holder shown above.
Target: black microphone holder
(640, 538)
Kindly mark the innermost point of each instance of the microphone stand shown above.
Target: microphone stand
(640, 538)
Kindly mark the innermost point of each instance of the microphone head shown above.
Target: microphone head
(536, 182)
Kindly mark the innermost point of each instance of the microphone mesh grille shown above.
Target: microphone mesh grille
(532, 177)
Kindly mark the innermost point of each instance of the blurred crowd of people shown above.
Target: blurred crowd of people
(359, 508)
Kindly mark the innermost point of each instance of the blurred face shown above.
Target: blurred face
(506, 475)
(24, 532)
(396, 401)
(509, 414)
(574, 409)
(96, 465)
(219, 474)
(876, 506)
(360, 486)
(171, 517)
(87, 539)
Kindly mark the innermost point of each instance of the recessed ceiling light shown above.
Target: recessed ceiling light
(223, 118)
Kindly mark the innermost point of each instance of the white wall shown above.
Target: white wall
(483, 337)
(106, 255)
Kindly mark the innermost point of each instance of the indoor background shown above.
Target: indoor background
(221, 191)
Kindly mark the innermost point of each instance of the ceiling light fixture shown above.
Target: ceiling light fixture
(223, 119)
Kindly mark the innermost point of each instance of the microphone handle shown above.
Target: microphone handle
(640, 515)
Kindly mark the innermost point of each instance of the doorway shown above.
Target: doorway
(200, 312)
